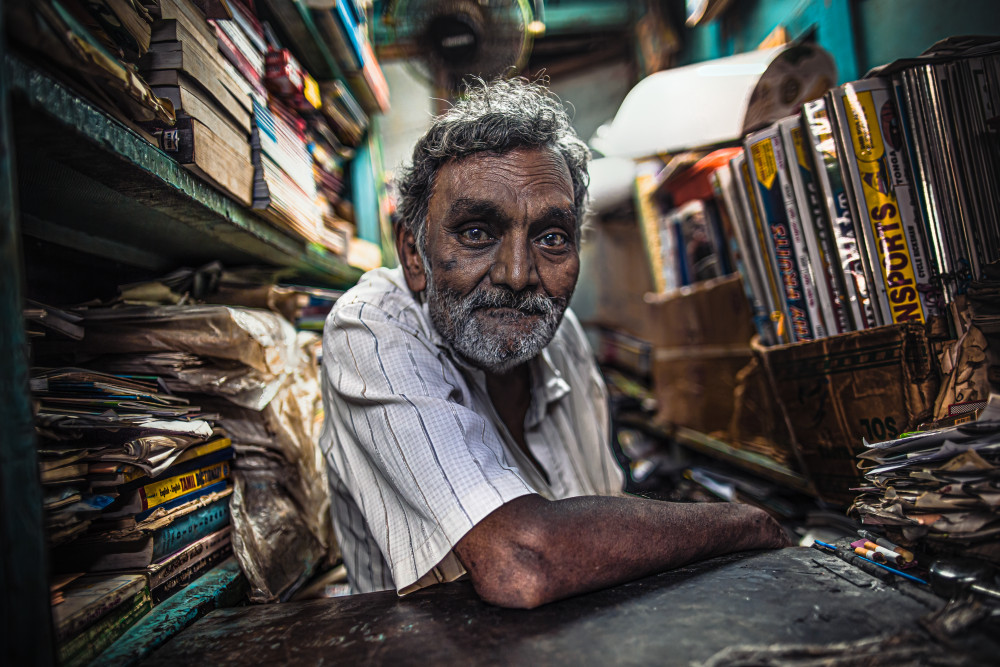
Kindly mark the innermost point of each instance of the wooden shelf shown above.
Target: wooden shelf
(87, 181)
(755, 463)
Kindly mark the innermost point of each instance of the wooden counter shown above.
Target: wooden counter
(791, 596)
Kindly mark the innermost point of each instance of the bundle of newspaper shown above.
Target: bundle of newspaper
(938, 491)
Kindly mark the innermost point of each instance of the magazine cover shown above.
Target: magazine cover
(820, 143)
(870, 137)
(761, 255)
(815, 231)
(776, 204)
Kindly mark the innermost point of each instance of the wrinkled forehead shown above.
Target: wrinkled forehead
(523, 173)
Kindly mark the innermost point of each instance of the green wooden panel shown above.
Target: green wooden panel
(25, 616)
(222, 586)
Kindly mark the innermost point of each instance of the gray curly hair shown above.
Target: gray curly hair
(493, 117)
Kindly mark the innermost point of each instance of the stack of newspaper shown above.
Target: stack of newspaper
(938, 490)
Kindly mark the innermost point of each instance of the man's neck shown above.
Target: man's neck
(511, 396)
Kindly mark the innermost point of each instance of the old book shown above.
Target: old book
(195, 146)
(85, 646)
(91, 597)
(164, 64)
(885, 201)
(191, 100)
(185, 17)
(776, 202)
(829, 291)
(186, 558)
(105, 552)
(211, 555)
(172, 491)
(822, 146)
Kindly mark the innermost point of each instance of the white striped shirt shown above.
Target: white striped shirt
(416, 453)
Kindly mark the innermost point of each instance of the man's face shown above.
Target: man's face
(501, 254)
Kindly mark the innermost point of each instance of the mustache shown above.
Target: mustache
(525, 302)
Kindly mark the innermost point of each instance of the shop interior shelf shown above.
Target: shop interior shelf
(129, 201)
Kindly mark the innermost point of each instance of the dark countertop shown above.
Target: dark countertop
(792, 596)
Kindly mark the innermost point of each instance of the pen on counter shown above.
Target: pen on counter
(895, 571)
(824, 545)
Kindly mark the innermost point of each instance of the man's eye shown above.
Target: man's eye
(475, 235)
(554, 240)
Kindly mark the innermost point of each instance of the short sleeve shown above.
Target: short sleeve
(422, 465)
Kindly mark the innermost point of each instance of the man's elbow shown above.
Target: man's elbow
(516, 574)
(520, 588)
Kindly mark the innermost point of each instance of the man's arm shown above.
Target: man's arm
(532, 551)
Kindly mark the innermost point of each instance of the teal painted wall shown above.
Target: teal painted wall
(860, 34)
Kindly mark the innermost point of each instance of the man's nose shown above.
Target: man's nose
(514, 265)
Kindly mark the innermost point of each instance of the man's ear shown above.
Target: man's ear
(409, 258)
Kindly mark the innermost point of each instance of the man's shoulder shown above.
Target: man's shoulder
(381, 292)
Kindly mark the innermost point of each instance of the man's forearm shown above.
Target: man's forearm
(532, 551)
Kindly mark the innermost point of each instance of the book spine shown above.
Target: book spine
(190, 528)
(67, 627)
(251, 72)
(161, 491)
(184, 577)
(885, 202)
(753, 233)
(802, 244)
(177, 502)
(250, 25)
(87, 645)
(187, 557)
(724, 188)
(948, 241)
(764, 152)
(822, 145)
(649, 228)
(829, 290)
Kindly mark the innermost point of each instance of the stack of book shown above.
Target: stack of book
(135, 483)
(936, 491)
(212, 96)
(867, 208)
(259, 379)
(334, 127)
(343, 25)
(97, 44)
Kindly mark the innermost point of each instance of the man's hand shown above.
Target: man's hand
(532, 551)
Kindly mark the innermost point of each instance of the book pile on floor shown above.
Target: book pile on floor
(938, 491)
(870, 207)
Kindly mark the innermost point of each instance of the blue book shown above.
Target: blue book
(101, 553)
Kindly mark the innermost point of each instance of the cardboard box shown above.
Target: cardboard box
(874, 384)
(701, 336)
(619, 275)
(758, 424)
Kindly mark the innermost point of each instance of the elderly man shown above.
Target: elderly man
(467, 426)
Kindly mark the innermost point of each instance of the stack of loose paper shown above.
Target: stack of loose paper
(939, 490)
